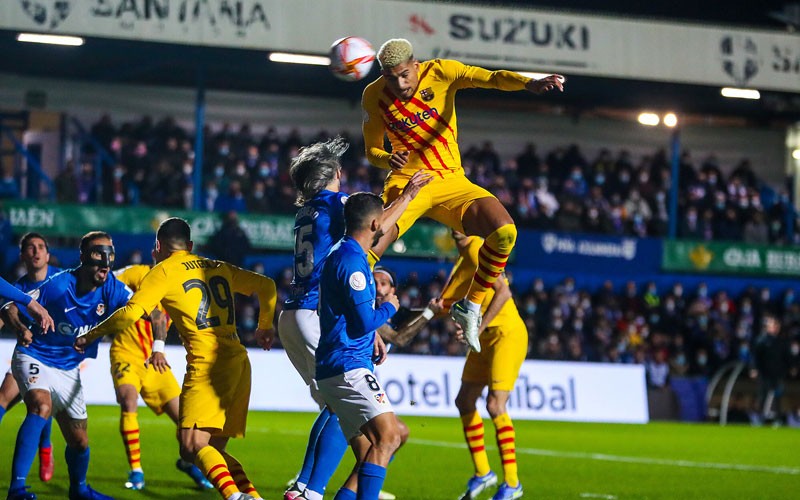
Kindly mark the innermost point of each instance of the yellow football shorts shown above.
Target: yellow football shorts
(217, 397)
(157, 389)
(444, 200)
(503, 349)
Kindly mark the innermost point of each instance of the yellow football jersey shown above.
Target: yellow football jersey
(426, 124)
(137, 339)
(461, 278)
(197, 293)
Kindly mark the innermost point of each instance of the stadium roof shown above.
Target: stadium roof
(111, 60)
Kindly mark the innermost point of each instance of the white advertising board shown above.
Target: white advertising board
(426, 385)
(518, 38)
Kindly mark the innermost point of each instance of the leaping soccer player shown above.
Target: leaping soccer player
(413, 103)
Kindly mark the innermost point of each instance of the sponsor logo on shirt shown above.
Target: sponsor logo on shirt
(101, 308)
(409, 122)
(381, 398)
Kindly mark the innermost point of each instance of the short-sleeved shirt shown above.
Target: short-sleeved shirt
(318, 225)
(73, 315)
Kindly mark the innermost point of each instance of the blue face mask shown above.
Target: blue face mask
(600, 179)
(530, 309)
(219, 171)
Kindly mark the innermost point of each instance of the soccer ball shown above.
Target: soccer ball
(351, 58)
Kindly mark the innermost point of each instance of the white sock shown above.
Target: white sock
(312, 495)
(300, 486)
(235, 496)
(138, 469)
(472, 306)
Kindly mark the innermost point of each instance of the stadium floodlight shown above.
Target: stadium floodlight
(649, 119)
(796, 154)
(286, 57)
(72, 41)
(740, 93)
(670, 120)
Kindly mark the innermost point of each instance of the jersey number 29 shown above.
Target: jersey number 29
(216, 289)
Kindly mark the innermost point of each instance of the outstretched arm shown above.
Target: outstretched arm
(407, 332)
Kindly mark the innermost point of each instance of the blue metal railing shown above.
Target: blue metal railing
(33, 164)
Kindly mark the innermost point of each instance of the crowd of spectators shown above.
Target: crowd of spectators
(562, 189)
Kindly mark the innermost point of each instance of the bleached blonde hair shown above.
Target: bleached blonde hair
(394, 52)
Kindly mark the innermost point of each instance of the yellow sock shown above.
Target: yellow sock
(211, 462)
(239, 476)
(129, 428)
(372, 258)
(506, 443)
(492, 260)
(473, 433)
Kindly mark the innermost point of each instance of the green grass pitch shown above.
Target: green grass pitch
(556, 460)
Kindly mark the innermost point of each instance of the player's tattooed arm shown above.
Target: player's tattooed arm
(407, 332)
(10, 314)
(157, 358)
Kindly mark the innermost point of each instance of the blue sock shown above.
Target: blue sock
(78, 466)
(44, 439)
(2, 413)
(345, 494)
(308, 459)
(25, 449)
(370, 481)
(331, 447)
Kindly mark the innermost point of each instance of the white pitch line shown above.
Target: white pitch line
(598, 495)
(631, 460)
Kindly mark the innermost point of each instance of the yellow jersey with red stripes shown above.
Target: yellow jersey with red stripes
(198, 294)
(426, 124)
(461, 277)
(137, 339)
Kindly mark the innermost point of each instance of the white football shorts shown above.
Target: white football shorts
(356, 397)
(299, 332)
(66, 391)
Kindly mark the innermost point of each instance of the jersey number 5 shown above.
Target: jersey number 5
(303, 252)
(218, 289)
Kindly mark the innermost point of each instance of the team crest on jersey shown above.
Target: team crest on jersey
(34, 294)
(381, 398)
(358, 281)
(426, 94)
(101, 308)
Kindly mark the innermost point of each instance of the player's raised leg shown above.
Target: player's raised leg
(487, 218)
